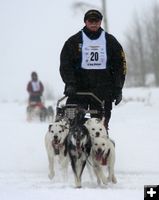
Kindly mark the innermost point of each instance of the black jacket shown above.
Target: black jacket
(101, 82)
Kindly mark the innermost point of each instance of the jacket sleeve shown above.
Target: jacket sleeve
(29, 87)
(118, 63)
(41, 87)
(67, 63)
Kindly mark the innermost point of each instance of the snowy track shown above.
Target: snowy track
(31, 181)
(27, 185)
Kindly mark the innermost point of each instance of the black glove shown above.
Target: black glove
(117, 96)
(70, 90)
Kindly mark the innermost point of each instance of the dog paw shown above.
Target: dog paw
(78, 183)
(114, 180)
(51, 175)
(98, 181)
(79, 186)
(105, 180)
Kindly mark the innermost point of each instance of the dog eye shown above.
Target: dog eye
(52, 131)
(82, 134)
(103, 144)
(95, 144)
(100, 129)
(93, 129)
(60, 131)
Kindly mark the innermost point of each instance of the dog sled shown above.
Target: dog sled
(38, 111)
(71, 111)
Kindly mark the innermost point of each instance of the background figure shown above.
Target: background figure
(35, 88)
(93, 60)
(36, 108)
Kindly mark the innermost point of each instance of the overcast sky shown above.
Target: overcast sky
(32, 33)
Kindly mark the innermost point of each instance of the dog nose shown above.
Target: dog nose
(97, 134)
(99, 150)
(55, 137)
(78, 140)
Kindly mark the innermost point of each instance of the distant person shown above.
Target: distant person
(35, 89)
(93, 61)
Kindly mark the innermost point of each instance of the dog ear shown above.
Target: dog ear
(87, 122)
(103, 120)
(49, 129)
(63, 127)
(98, 120)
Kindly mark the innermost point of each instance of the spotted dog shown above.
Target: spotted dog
(96, 127)
(54, 143)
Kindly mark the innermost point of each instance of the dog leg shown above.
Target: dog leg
(102, 176)
(64, 161)
(65, 171)
(51, 167)
(111, 162)
(98, 178)
(111, 175)
(77, 181)
(77, 177)
(79, 169)
(114, 180)
(97, 174)
(75, 169)
(50, 155)
(89, 169)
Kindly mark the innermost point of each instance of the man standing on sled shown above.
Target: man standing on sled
(35, 106)
(93, 61)
(35, 88)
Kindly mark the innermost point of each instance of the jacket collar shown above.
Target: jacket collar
(92, 35)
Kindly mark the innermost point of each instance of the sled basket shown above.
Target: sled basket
(70, 111)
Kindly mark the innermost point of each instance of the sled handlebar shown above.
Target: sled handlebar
(84, 94)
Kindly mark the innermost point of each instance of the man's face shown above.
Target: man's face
(34, 77)
(93, 24)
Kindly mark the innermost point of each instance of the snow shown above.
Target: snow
(23, 159)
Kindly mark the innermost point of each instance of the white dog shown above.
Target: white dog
(54, 143)
(96, 127)
(103, 153)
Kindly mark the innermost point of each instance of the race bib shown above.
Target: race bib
(35, 86)
(94, 55)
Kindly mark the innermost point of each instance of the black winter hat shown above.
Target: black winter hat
(34, 74)
(93, 14)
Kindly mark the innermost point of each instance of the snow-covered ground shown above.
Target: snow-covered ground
(23, 161)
